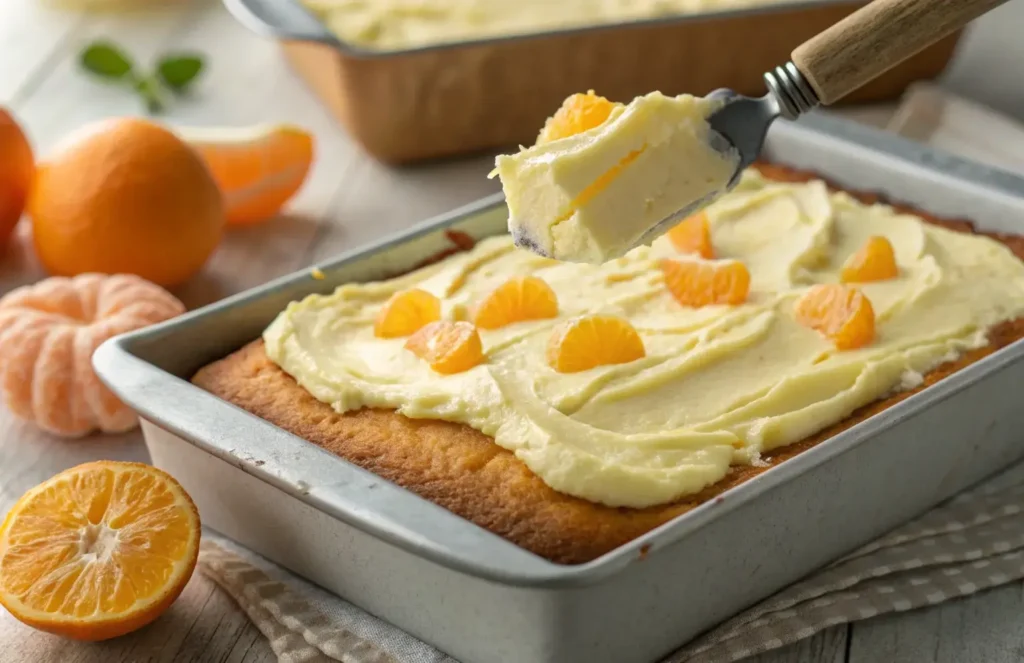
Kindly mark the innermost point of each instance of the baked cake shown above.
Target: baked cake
(567, 508)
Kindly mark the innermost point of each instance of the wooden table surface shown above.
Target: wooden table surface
(349, 200)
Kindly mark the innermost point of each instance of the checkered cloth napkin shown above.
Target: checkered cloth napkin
(973, 542)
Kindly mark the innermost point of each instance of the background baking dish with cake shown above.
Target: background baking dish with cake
(446, 99)
(396, 554)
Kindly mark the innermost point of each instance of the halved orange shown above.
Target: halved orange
(257, 169)
(98, 551)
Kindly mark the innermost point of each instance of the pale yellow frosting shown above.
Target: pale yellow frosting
(397, 24)
(719, 384)
(595, 195)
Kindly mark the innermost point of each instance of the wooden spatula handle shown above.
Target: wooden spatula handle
(877, 37)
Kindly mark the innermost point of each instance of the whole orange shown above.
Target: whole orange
(16, 167)
(126, 196)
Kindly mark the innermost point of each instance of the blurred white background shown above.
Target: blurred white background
(990, 64)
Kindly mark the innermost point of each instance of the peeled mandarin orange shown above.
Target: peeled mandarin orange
(875, 261)
(840, 313)
(518, 299)
(48, 334)
(577, 114)
(695, 283)
(593, 340)
(127, 196)
(406, 312)
(98, 551)
(449, 347)
(16, 168)
(693, 235)
(257, 169)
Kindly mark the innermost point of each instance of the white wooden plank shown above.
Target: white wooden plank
(829, 646)
(986, 627)
(70, 97)
(31, 35)
(29, 457)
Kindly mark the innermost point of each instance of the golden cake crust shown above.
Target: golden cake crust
(465, 472)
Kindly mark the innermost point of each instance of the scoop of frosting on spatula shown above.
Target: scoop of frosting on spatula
(605, 177)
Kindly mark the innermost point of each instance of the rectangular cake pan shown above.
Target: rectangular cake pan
(437, 101)
(485, 600)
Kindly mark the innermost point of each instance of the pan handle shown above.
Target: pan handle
(280, 19)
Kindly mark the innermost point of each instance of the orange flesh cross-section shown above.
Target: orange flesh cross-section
(98, 551)
(449, 347)
(591, 341)
(516, 300)
(842, 314)
(406, 312)
(875, 261)
(696, 283)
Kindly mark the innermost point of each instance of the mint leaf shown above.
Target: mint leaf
(178, 71)
(107, 60)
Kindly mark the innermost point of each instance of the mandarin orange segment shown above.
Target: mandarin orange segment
(591, 341)
(98, 551)
(577, 114)
(875, 261)
(842, 314)
(695, 283)
(17, 166)
(406, 312)
(518, 299)
(449, 347)
(693, 235)
(258, 170)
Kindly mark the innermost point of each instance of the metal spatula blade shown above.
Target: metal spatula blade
(824, 69)
(739, 127)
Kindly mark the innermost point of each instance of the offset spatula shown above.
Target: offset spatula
(826, 68)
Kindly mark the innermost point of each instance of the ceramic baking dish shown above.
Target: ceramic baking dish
(437, 101)
(485, 600)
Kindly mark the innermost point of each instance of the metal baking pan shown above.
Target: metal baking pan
(437, 101)
(485, 600)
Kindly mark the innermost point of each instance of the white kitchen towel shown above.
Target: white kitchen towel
(970, 543)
